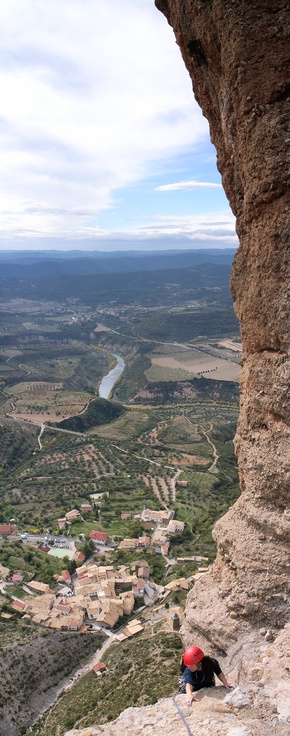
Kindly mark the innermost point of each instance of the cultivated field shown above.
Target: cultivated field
(43, 402)
(180, 365)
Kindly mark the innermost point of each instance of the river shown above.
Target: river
(110, 379)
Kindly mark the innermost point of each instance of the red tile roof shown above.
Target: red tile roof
(79, 556)
(5, 529)
(66, 576)
(99, 667)
(140, 583)
(99, 536)
(63, 608)
(74, 623)
(18, 605)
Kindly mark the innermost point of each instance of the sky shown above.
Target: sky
(102, 144)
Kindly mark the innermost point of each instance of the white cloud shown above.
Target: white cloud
(186, 185)
(216, 229)
(93, 94)
(208, 225)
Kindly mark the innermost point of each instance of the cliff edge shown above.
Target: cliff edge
(237, 53)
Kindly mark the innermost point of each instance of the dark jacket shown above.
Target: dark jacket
(203, 677)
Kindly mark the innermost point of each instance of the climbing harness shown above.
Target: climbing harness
(181, 685)
(182, 716)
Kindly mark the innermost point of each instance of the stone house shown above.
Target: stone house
(61, 523)
(86, 507)
(128, 600)
(175, 526)
(36, 587)
(19, 606)
(144, 541)
(79, 556)
(139, 588)
(159, 517)
(93, 609)
(16, 578)
(99, 668)
(71, 515)
(128, 543)
(5, 530)
(74, 624)
(99, 537)
(65, 575)
(111, 612)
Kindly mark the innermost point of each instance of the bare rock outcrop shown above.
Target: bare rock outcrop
(259, 706)
(237, 53)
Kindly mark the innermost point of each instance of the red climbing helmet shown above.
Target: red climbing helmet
(192, 655)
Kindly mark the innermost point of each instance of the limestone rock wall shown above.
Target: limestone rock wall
(237, 53)
(259, 706)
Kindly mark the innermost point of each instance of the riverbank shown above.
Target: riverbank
(108, 381)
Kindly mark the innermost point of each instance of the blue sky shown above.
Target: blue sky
(102, 144)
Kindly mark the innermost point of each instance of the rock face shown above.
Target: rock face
(237, 53)
(259, 707)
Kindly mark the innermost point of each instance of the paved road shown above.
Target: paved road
(38, 539)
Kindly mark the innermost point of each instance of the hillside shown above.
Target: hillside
(99, 411)
(259, 706)
(125, 279)
(61, 445)
(33, 664)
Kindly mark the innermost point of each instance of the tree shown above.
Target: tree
(135, 529)
(88, 548)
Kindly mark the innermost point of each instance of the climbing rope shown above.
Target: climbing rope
(182, 716)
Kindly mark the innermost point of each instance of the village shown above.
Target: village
(96, 597)
(161, 523)
(101, 596)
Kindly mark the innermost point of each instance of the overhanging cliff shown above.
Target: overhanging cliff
(237, 53)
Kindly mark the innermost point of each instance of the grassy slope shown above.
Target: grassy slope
(139, 673)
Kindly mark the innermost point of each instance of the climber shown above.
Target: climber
(198, 671)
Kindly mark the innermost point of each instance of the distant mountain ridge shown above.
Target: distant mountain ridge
(120, 278)
(31, 264)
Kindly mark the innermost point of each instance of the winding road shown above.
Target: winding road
(215, 452)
